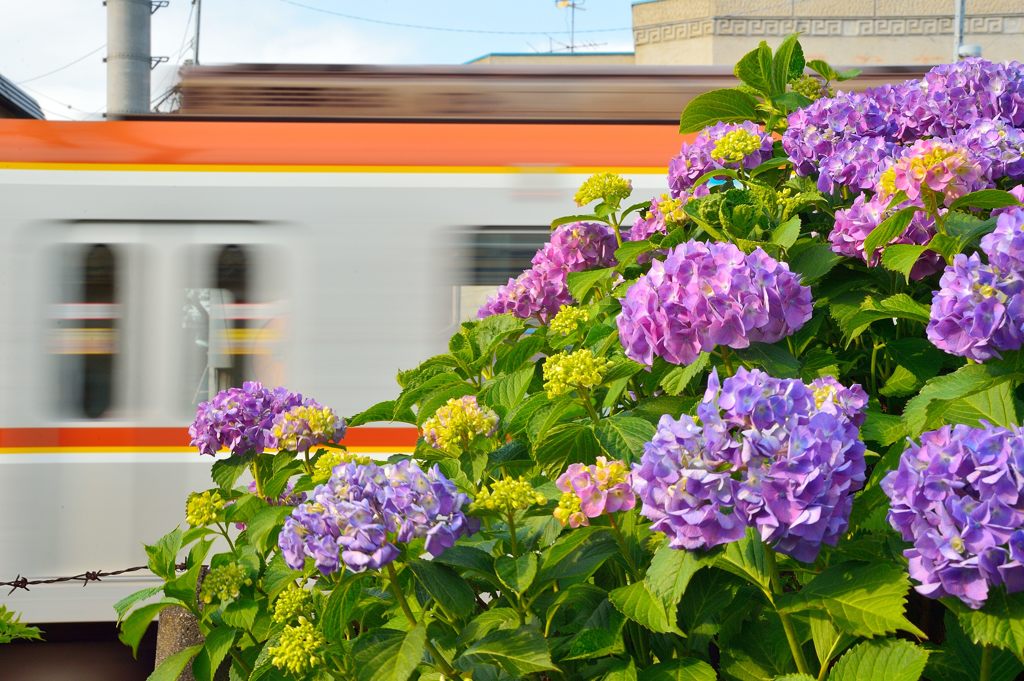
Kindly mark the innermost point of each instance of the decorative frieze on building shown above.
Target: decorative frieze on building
(833, 27)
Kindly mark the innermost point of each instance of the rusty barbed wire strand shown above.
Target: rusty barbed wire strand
(20, 582)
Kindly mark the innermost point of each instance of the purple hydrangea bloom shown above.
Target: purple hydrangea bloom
(1005, 245)
(854, 224)
(703, 295)
(240, 419)
(999, 145)
(978, 311)
(761, 454)
(958, 496)
(695, 158)
(955, 96)
(541, 290)
(360, 514)
(856, 163)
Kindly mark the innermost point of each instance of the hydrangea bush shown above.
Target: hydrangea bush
(762, 426)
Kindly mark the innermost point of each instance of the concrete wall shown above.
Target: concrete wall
(559, 58)
(844, 32)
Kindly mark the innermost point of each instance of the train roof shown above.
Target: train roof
(16, 102)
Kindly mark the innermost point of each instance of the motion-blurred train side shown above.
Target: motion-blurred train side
(146, 264)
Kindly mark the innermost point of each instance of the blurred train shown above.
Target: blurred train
(314, 227)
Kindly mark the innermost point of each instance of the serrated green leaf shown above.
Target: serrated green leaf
(621, 671)
(520, 652)
(1000, 623)
(393, 659)
(173, 665)
(565, 443)
(566, 219)
(636, 602)
(488, 621)
(886, 660)
(995, 405)
(577, 554)
(890, 228)
(260, 530)
(823, 69)
(828, 640)
(746, 558)
(600, 635)
(341, 604)
(240, 613)
(623, 437)
(126, 603)
(960, 660)
(794, 677)
(507, 390)
(446, 587)
(133, 628)
(581, 283)
(726, 105)
(225, 472)
(968, 380)
(216, 647)
(516, 573)
(670, 572)
(985, 198)
(786, 234)
(627, 253)
(813, 261)
(163, 555)
(622, 368)
(788, 63)
(755, 68)
(902, 258)
(430, 402)
(682, 669)
(865, 600)
(679, 378)
(774, 359)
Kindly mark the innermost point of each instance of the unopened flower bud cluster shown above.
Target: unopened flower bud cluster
(456, 424)
(203, 509)
(568, 371)
(568, 319)
(291, 603)
(297, 651)
(335, 457)
(607, 187)
(223, 583)
(507, 496)
(736, 145)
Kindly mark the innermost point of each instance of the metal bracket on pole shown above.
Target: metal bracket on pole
(154, 5)
(154, 61)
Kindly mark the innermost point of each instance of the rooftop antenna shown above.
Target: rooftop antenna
(573, 5)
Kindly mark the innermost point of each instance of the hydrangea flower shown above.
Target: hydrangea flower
(773, 454)
(568, 371)
(945, 168)
(506, 496)
(593, 491)
(856, 163)
(607, 187)
(455, 425)
(568, 319)
(703, 295)
(854, 224)
(203, 509)
(240, 419)
(999, 145)
(955, 96)
(745, 145)
(1004, 246)
(326, 462)
(811, 87)
(287, 497)
(303, 427)
(298, 648)
(979, 310)
(958, 496)
(663, 212)
(291, 603)
(362, 512)
(541, 290)
(223, 583)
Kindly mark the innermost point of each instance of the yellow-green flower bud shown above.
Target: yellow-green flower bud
(568, 319)
(297, 651)
(223, 583)
(335, 457)
(457, 423)
(203, 509)
(810, 87)
(291, 603)
(506, 496)
(569, 510)
(735, 146)
(567, 371)
(607, 187)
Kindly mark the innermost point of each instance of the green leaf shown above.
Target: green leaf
(278, 576)
(216, 647)
(580, 283)
(380, 412)
(890, 228)
(623, 368)
(985, 198)
(575, 441)
(627, 253)
(886, 660)
(848, 74)
(960, 660)
(601, 634)
(621, 671)
(670, 572)
(774, 359)
(726, 105)
(183, 586)
(623, 437)
(431, 402)
(1000, 623)
(823, 69)
(340, 608)
(794, 677)
(681, 669)
(899, 306)
(134, 627)
(828, 641)
(786, 234)
(678, 379)
(814, 261)
(507, 390)
(240, 613)
(393, 659)
(261, 529)
(163, 555)
(126, 603)
(755, 68)
(516, 573)
(865, 600)
(968, 380)
(995, 405)
(636, 602)
(787, 64)
(225, 472)
(902, 258)
(520, 652)
(746, 558)
(577, 554)
(173, 665)
(446, 587)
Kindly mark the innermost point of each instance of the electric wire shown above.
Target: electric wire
(61, 68)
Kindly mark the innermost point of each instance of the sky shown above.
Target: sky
(54, 49)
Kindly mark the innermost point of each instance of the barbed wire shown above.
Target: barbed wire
(85, 578)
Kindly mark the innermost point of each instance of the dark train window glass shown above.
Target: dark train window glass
(489, 257)
(86, 334)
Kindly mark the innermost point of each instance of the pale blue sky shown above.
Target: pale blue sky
(46, 35)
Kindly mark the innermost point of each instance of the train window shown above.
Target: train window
(86, 331)
(490, 256)
(231, 335)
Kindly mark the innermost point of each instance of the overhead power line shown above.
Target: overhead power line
(68, 65)
(446, 29)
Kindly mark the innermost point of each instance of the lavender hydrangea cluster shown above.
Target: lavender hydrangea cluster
(958, 496)
(704, 295)
(241, 419)
(541, 290)
(360, 514)
(697, 158)
(777, 455)
(978, 311)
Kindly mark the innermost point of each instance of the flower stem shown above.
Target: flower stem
(241, 663)
(986, 664)
(306, 464)
(256, 475)
(588, 405)
(513, 544)
(434, 652)
(615, 228)
(224, 533)
(621, 540)
(787, 624)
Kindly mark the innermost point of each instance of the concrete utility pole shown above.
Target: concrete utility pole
(128, 56)
(959, 10)
(195, 40)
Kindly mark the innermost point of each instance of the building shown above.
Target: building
(16, 103)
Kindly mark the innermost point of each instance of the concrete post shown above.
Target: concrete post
(128, 56)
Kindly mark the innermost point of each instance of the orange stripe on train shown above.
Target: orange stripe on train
(177, 437)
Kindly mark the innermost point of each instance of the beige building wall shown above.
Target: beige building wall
(844, 32)
(549, 59)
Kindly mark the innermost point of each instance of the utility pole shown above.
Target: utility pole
(129, 59)
(195, 40)
(959, 10)
(573, 5)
